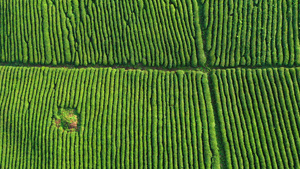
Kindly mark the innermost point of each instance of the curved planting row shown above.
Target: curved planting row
(126, 119)
(251, 32)
(258, 115)
(105, 32)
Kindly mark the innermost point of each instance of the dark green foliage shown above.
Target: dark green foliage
(250, 32)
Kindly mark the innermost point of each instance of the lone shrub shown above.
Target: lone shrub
(67, 119)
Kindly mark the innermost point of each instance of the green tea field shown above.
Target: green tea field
(149, 84)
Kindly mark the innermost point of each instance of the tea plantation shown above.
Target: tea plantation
(149, 84)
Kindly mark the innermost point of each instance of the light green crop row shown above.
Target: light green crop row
(150, 119)
(258, 116)
(101, 32)
(251, 32)
(128, 119)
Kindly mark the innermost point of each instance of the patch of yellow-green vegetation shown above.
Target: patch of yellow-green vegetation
(66, 119)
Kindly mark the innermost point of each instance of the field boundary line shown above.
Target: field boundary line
(205, 69)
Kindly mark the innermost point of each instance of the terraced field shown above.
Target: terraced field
(149, 84)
